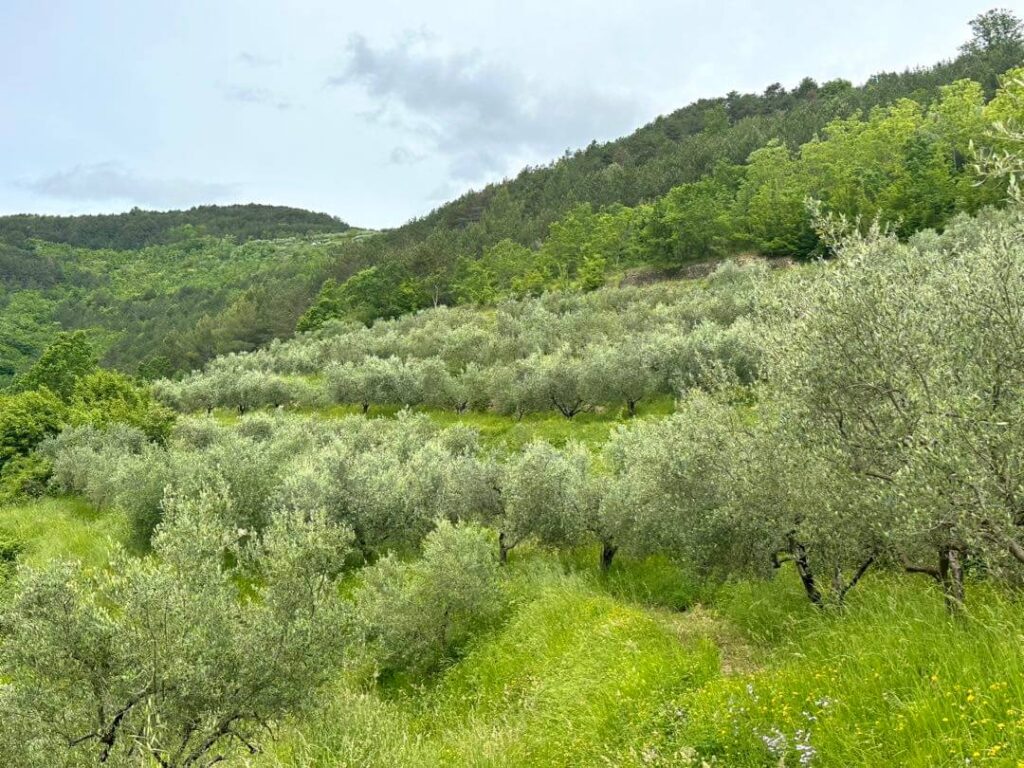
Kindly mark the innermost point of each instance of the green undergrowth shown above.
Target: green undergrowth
(49, 529)
(595, 670)
(572, 678)
(891, 680)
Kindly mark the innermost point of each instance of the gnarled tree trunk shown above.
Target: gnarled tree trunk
(608, 550)
(803, 569)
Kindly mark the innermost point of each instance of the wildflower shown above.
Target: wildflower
(776, 742)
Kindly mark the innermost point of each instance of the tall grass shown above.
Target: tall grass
(590, 673)
(53, 528)
(568, 681)
(891, 680)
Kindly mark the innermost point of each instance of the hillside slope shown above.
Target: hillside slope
(689, 179)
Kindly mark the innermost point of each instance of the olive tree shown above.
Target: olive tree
(559, 380)
(543, 496)
(672, 483)
(620, 373)
(413, 616)
(904, 367)
(373, 381)
(183, 659)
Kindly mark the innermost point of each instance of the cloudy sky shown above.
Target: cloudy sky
(379, 111)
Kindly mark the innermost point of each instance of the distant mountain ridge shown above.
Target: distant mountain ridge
(139, 228)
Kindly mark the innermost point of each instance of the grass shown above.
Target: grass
(571, 679)
(54, 528)
(891, 680)
(597, 671)
(591, 428)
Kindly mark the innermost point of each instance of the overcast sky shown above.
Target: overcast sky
(379, 111)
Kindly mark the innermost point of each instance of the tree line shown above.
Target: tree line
(137, 228)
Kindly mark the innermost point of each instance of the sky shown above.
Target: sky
(380, 111)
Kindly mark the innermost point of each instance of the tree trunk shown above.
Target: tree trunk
(951, 574)
(1016, 550)
(608, 551)
(803, 568)
(366, 407)
(857, 576)
(631, 408)
(503, 548)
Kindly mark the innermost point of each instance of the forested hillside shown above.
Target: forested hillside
(137, 228)
(167, 306)
(719, 176)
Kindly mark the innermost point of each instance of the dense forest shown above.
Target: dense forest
(157, 291)
(510, 486)
(137, 228)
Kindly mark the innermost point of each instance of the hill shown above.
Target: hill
(718, 177)
(138, 228)
(162, 308)
(689, 180)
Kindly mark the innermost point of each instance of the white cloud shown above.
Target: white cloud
(257, 60)
(478, 113)
(112, 182)
(244, 94)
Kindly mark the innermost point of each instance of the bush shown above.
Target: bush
(414, 617)
(24, 476)
(26, 419)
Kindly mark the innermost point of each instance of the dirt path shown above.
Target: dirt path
(700, 623)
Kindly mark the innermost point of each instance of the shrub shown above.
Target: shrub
(416, 616)
(24, 476)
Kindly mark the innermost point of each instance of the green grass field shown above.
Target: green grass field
(582, 674)
(53, 528)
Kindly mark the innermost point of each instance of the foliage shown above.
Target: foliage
(26, 419)
(138, 228)
(107, 397)
(61, 365)
(570, 352)
(714, 178)
(166, 307)
(414, 617)
(161, 657)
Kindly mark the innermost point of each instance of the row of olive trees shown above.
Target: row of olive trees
(462, 336)
(615, 374)
(889, 428)
(390, 481)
